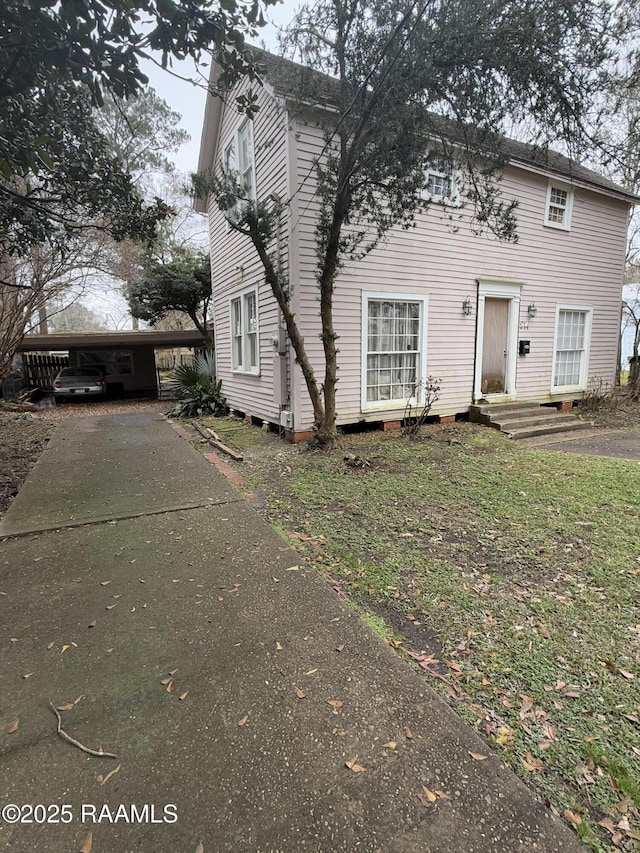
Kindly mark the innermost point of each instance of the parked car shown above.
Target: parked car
(73, 382)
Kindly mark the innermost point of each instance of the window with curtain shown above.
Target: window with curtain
(393, 349)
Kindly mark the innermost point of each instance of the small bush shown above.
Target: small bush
(198, 389)
(415, 416)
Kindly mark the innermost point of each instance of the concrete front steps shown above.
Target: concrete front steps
(525, 420)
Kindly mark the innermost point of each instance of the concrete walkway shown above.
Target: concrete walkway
(231, 682)
(616, 443)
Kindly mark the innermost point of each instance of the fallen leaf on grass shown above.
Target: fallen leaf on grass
(12, 727)
(572, 817)
(335, 703)
(626, 674)
(353, 765)
(243, 720)
(530, 763)
(88, 844)
(477, 756)
(300, 693)
(104, 779)
(390, 745)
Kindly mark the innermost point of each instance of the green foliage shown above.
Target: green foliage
(198, 389)
(180, 284)
(72, 181)
(56, 62)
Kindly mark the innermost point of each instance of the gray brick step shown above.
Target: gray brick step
(525, 420)
(507, 423)
(549, 429)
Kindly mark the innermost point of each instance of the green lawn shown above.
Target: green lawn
(510, 577)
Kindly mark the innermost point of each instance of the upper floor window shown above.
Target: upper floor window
(238, 159)
(559, 205)
(441, 181)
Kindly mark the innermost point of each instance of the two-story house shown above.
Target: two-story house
(537, 320)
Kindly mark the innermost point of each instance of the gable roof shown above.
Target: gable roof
(285, 76)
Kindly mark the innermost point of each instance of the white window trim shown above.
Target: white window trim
(235, 139)
(242, 295)
(566, 224)
(391, 405)
(455, 199)
(243, 127)
(584, 367)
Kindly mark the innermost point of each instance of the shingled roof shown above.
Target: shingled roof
(287, 78)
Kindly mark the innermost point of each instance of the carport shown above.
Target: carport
(128, 359)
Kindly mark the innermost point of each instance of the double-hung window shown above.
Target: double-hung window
(573, 328)
(238, 159)
(393, 349)
(559, 206)
(245, 353)
(246, 175)
(441, 181)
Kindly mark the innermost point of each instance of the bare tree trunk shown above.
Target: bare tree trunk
(297, 340)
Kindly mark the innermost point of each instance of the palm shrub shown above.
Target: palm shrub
(197, 389)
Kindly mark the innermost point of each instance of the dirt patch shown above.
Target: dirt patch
(23, 437)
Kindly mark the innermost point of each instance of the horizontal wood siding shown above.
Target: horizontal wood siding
(235, 264)
(442, 259)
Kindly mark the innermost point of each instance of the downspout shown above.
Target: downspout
(475, 347)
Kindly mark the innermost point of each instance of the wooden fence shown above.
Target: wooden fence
(41, 370)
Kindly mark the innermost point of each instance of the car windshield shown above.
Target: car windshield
(79, 371)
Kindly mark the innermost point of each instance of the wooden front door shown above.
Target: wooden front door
(494, 346)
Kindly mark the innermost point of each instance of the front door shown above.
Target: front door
(494, 346)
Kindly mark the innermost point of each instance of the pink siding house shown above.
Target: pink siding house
(535, 321)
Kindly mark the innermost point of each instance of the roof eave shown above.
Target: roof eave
(210, 133)
(619, 194)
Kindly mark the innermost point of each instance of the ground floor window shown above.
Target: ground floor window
(244, 332)
(393, 348)
(572, 340)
